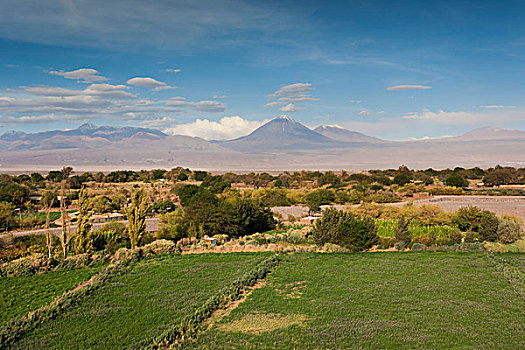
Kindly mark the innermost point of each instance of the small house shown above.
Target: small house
(308, 220)
(210, 240)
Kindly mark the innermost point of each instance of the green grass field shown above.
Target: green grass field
(22, 294)
(414, 300)
(376, 301)
(131, 309)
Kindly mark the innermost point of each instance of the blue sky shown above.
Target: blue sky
(218, 69)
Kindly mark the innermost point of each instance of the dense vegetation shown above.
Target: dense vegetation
(345, 229)
(312, 188)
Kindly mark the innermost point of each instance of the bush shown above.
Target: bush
(468, 219)
(418, 246)
(444, 241)
(387, 242)
(345, 229)
(488, 227)
(455, 236)
(509, 231)
(401, 231)
(426, 240)
(456, 180)
(400, 245)
(470, 237)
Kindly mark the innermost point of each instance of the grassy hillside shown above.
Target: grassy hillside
(376, 300)
(133, 308)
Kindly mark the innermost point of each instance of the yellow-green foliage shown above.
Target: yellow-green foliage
(426, 214)
(386, 227)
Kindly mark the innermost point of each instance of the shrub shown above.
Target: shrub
(488, 227)
(509, 231)
(401, 231)
(400, 245)
(105, 240)
(418, 246)
(425, 240)
(470, 237)
(455, 236)
(468, 219)
(387, 242)
(444, 241)
(344, 228)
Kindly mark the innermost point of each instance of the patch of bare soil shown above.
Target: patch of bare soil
(218, 315)
(260, 322)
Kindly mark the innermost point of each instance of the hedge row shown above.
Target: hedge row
(37, 263)
(193, 324)
(511, 273)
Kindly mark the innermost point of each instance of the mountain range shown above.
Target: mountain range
(280, 144)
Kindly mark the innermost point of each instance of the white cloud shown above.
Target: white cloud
(220, 97)
(298, 92)
(201, 106)
(364, 113)
(381, 112)
(159, 123)
(293, 90)
(408, 87)
(355, 101)
(36, 119)
(99, 90)
(145, 82)
(290, 108)
(166, 87)
(84, 75)
(225, 129)
(464, 118)
(173, 70)
(498, 107)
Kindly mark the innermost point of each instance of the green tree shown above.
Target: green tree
(83, 239)
(182, 177)
(47, 201)
(65, 237)
(13, 193)
(36, 177)
(402, 179)
(7, 215)
(456, 180)
(501, 176)
(136, 214)
(315, 199)
(171, 226)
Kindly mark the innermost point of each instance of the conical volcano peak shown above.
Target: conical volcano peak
(285, 117)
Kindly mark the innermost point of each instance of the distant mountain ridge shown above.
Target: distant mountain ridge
(338, 133)
(84, 136)
(280, 144)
